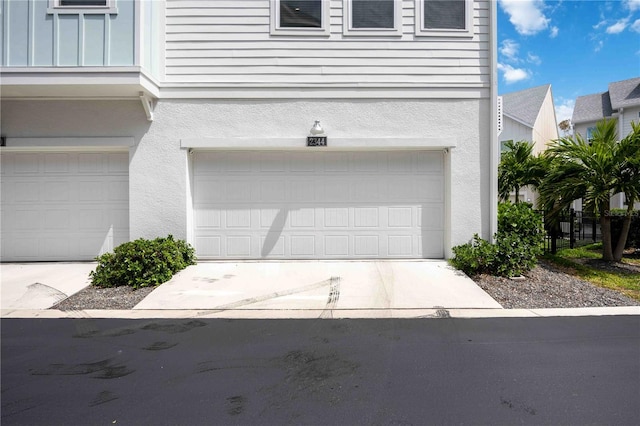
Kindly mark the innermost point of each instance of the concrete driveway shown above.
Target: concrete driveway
(43, 284)
(251, 288)
(321, 286)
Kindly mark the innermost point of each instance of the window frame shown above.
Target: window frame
(56, 8)
(276, 30)
(444, 32)
(347, 22)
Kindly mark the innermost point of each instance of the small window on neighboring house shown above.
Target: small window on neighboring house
(375, 18)
(300, 17)
(82, 2)
(448, 18)
(503, 145)
(590, 132)
(82, 6)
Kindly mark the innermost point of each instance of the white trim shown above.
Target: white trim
(55, 8)
(276, 30)
(347, 22)
(260, 143)
(426, 32)
(147, 105)
(385, 91)
(99, 143)
(494, 150)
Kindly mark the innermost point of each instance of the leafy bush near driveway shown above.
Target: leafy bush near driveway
(142, 263)
(518, 243)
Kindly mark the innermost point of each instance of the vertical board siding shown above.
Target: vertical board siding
(31, 36)
(17, 33)
(122, 42)
(42, 44)
(68, 40)
(224, 41)
(94, 33)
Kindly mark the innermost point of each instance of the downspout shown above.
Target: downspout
(493, 145)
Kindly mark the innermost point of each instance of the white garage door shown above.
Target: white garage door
(318, 205)
(63, 205)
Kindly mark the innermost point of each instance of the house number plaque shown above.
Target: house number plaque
(316, 141)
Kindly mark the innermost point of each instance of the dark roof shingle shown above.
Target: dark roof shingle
(625, 93)
(592, 108)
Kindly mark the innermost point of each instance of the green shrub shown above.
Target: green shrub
(476, 257)
(518, 244)
(142, 263)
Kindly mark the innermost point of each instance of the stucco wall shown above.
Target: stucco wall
(159, 172)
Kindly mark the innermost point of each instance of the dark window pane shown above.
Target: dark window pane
(446, 14)
(372, 13)
(300, 14)
(83, 2)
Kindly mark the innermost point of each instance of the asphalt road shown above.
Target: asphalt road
(341, 372)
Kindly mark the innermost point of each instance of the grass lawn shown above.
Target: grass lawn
(582, 262)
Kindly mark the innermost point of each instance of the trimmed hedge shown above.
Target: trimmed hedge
(519, 242)
(142, 263)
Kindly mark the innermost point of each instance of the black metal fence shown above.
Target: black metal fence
(572, 229)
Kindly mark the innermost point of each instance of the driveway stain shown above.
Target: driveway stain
(159, 346)
(236, 405)
(173, 327)
(104, 369)
(102, 398)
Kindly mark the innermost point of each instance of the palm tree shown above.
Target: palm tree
(628, 181)
(518, 167)
(594, 171)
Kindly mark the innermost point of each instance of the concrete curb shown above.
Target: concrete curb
(321, 314)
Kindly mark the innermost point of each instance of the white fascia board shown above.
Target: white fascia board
(89, 82)
(68, 143)
(260, 143)
(168, 91)
(517, 120)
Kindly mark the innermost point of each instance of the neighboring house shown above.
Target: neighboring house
(621, 103)
(124, 119)
(528, 115)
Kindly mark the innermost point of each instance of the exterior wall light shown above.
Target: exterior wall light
(317, 129)
(316, 135)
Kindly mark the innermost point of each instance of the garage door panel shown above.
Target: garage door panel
(401, 217)
(429, 163)
(369, 205)
(63, 205)
(400, 245)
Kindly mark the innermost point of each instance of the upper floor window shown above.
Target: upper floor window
(446, 18)
(372, 17)
(300, 17)
(82, 3)
(82, 6)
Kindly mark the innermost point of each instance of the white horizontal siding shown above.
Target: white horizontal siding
(224, 41)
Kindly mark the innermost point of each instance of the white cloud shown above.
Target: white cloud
(553, 33)
(618, 27)
(599, 46)
(526, 15)
(513, 75)
(533, 59)
(564, 109)
(635, 26)
(509, 49)
(633, 5)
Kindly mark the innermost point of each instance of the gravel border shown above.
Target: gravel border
(547, 286)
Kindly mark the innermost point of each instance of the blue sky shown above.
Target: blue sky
(578, 46)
